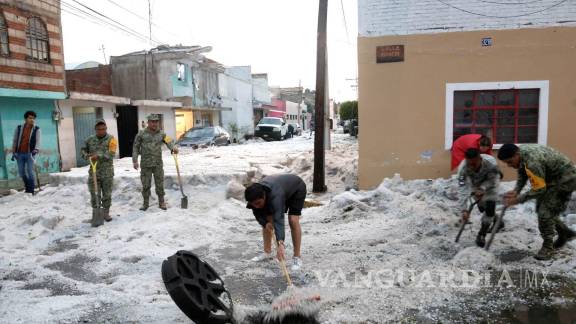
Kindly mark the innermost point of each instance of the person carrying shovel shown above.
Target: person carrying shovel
(148, 144)
(99, 150)
(552, 178)
(482, 174)
(269, 200)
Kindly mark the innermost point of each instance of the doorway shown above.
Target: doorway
(127, 129)
(84, 121)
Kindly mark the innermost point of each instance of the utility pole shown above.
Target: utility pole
(104, 53)
(300, 105)
(319, 106)
(150, 22)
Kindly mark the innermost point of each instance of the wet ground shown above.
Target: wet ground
(552, 303)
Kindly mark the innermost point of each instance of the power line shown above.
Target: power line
(490, 16)
(101, 14)
(82, 14)
(345, 23)
(510, 3)
(101, 22)
(140, 17)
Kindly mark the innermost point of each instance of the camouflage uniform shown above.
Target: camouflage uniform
(105, 148)
(149, 144)
(552, 178)
(486, 179)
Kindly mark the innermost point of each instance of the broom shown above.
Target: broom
(295, 305)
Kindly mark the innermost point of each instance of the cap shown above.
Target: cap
(100, 122)
(153, 117)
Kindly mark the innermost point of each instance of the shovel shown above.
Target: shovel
(37, 175)
(465, 222)
(184, 199)
(97, 213)
(495, 228)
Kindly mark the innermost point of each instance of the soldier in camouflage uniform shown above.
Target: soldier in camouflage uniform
(148, 144)
(552, 178)
(101, 148)
(482, 174)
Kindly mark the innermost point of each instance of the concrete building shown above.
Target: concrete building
(292, 112)
(261, 96)
(178, 83)
(31, 78)
(236, 92)
(430, 72)
(89, 99)
(278, 108)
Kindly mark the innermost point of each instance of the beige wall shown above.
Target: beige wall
(402, 105)
(168, 115)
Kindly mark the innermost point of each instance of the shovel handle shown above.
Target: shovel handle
(93, 165)
(495, 228)
(175, 156)
(283, 265)
(37, 174)
(285, 271)
(465, 222)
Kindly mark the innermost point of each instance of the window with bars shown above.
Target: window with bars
(4, 47)
(507, 116)
(37, 40)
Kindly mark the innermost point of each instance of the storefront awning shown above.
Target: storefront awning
(211, 108)
(157, 103)
(188, 104)
(97, 97)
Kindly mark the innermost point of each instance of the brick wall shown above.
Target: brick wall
(96, 80)
(17, 70)
(407, 17)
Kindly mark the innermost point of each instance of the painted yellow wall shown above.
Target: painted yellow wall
(184, 121)
(402, 105)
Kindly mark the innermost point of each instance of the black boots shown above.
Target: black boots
(565, 234)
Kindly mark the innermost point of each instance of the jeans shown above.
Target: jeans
(26, 170)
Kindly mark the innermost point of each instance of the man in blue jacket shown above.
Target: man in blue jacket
(25, 145)
(269, 200)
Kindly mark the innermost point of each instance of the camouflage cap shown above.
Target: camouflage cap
(153, 117)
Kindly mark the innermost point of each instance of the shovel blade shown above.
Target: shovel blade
(97, 217)
(184, 202)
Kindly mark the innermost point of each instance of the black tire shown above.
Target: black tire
(197, 289)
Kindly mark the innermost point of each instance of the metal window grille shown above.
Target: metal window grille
(507, 116)
(37, 40)
(4, 47)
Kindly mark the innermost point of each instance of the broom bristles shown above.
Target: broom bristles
(294, 301)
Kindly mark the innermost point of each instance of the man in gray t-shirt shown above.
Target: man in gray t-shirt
(270, 200)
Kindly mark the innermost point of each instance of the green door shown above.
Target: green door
(84, 120)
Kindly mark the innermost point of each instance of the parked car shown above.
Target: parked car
(204, 136)
(294, 129)
(270, 128)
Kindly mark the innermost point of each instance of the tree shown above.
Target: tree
(349, 110)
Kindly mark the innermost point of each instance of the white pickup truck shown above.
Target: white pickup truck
(271, 128)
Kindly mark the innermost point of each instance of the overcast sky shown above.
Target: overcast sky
(277, 37)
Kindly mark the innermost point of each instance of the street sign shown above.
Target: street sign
(390, 53)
